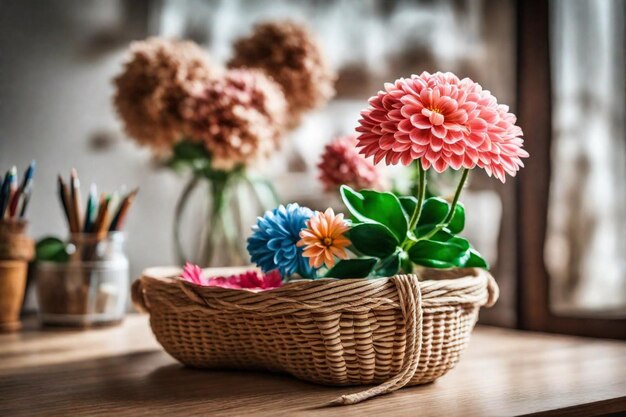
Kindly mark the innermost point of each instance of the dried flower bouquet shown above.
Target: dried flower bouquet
(216, 121)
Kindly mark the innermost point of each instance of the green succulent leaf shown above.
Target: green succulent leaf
(434, 263)
(51, 249)
(381, 207)
(408, 204)
(434, 211)
(389, 266)
(352, 268)
(373, 239)
(446, 254)
(475, 260)
(445, 236)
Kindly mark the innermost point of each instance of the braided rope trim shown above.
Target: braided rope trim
(410, 299)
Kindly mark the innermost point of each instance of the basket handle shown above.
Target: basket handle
(138, 296)
(410, 299)
(493, 291)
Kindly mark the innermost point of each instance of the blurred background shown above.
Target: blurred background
(57, 59)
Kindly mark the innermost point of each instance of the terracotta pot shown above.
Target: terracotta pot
(12, 285)
(16, 249)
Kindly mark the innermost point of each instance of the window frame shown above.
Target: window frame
(534, 104)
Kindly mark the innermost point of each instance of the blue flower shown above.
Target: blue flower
(273, 241)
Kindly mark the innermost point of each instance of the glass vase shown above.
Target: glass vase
(214, 215)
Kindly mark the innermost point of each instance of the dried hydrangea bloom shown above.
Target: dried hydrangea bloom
(238, 117)
(341, 163)
(155, 78)
(288, 53)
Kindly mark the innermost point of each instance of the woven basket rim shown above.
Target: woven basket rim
(169, 276)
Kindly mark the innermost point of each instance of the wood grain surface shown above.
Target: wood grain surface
(122, 371)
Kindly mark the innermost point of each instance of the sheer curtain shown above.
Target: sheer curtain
(586, 242)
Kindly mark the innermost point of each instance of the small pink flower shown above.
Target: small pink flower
(341, 164)
(192, 273)
(251, 280)
(442, 122)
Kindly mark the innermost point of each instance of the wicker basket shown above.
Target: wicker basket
(394, 331)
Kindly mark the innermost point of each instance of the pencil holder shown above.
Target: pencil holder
(16, 249)
(91, 288)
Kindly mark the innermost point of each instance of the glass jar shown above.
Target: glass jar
(213, 218)
(91, 288)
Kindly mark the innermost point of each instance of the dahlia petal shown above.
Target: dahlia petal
(406, 126)
(438, 131)
(436, 119)
(409, 100)
(406, 158)
(447, 105)
(401, 146)
(420, 121)
(456, 161)
(436, 144)
(440, 165)
(387, 142)
(419, 136)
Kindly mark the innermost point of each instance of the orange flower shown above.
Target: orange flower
(324, 239)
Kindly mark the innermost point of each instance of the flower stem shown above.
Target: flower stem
(450, 215)
(421, 193)
(218, 189)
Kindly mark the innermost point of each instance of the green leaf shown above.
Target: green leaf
(475, 260)
(384, 208)
(408, 204)
(445, 236)
(373, 239)
(51, 249)
(389, 266)
(434, 211)
(433, 263)
(352, 268)
(445, 254)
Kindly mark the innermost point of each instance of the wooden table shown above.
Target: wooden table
(122, 371)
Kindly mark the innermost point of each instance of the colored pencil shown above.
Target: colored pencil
(75, 200)
(64, 197)
(23, 192)
(92, 209)
(25, 201)
(103, 219)
(27, 187)
(4, 193)
(6, 209)
(118, 220)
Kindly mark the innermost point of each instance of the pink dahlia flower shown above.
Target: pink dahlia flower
(251, 280)
(442, 122)
(342, 164)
